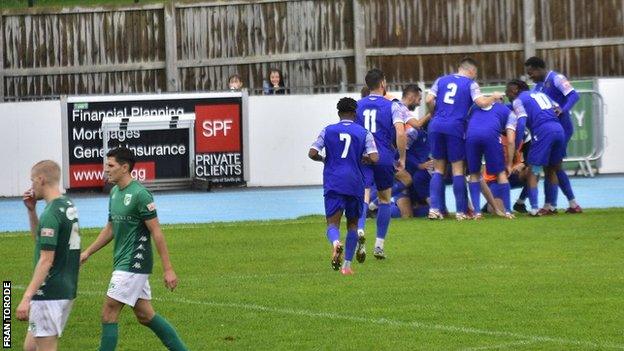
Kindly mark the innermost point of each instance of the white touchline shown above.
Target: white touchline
(380, 321)
(500, 346)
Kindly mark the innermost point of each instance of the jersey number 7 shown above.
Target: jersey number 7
(347, 139)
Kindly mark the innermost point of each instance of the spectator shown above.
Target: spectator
(235, 82)
(275, 85)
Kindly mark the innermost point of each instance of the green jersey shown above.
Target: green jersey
(58, 231)
(128, 209)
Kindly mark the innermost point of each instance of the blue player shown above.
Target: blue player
(548, 138)
(347, 145)
(559, 89)
(486, 128)
(385, 120)
(452, 96)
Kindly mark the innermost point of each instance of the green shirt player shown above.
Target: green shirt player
(133, 223)
(48, 299)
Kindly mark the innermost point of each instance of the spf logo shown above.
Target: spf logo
(213, 128)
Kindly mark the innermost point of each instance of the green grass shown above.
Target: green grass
(554, 283)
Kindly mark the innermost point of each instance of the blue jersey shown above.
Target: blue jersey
(345, 142)
(538, 108)
(417, 147)
(378, 115)
(454, 96)
(491, 121)
(557, 87)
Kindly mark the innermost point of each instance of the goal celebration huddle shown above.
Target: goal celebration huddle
(381, 161)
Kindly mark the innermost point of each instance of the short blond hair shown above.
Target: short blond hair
(49, 170)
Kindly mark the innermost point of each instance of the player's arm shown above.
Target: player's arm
(521, 118)
(510, 128)
(371, 155)
(31, 206)
(46, 259)
(564, 86)
(105, 237)
(483, 100)
(401, 138)
(170, 278)
(431, 96)
(489, 197)
(315, 149)
(418, 123)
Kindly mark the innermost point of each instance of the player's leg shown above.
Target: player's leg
(110, 316)
(456, 148)
(352, 212)
(403, 181)
(474, 152)
(167, 334)
(564, 183)
(334, 205)
(47, 343)
(438, 152)
(367, 173)
(495, 164)
(404, 206)
(29, 342)
(538, 157)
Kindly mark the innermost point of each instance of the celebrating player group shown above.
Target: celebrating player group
(381, 161)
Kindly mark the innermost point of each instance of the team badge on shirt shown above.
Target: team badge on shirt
(49, 232)
(151, 206)
(127, 199)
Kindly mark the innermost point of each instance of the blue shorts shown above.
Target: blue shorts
(514, 181)
(420, 186)
(446, 147)
(547, 148)
(492, 149)
(383, 176)
(352, 205)
(367, 172)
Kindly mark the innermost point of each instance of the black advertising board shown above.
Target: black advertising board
(214, 152)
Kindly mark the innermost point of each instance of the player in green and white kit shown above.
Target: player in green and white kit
(133, 223)
(48, 299)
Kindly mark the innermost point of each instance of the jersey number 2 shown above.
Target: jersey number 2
(347, 139)
(450, 94)
(370, 120)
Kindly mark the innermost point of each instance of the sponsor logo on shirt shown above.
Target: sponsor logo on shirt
(139, 256)
(140, 247)
(71, 213)
(47, 232)
(143, 238)
(137, 265)
(127, 199)
(151, 206)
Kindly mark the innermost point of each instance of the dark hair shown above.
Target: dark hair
(411, 89)
(468, 61)
(373, 79)
(522, 85)
(235, 75)
(123, 155)
(281, 81)
(364, 92)
(346, 104)
(535, 62)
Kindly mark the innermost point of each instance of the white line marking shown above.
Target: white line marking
(378, 321)
(500, 346)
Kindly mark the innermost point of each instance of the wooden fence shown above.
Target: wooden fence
(320, 45)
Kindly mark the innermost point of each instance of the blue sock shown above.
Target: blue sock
(564, 183)
(435, 194)
(459, 189)
(333, 233)
(504, 191)
(362, 220)
(421, 211)
(383, 220)
(553, 193)
(533, 198)
(350, 244)
(475, 195)
(397, 188)
(395, 212)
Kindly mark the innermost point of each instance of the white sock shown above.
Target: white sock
(360, 232)
(346, 264)
(336, 242)
(379, 243)
(573, 203)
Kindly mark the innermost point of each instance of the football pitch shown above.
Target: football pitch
(553, 283)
